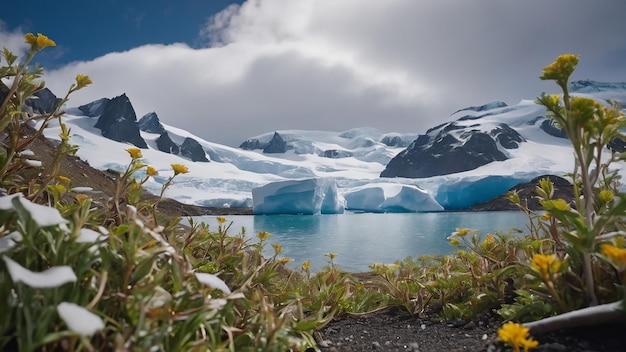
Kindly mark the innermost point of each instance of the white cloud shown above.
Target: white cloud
(12, 40)
(394, 65)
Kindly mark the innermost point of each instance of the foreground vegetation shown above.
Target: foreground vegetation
(76, 275)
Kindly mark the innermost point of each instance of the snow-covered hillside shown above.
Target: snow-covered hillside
(352, 160)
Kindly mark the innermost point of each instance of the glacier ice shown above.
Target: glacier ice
(308, 196)
(390, 198)
(468, 191)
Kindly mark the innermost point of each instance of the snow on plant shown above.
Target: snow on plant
(79, 319)
(213, 282)
(53, 277)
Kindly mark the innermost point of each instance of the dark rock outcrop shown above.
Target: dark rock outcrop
(394, 141)
(336, 154)
(506, 136)
(276, 145)
(617, 145)
(125, 131)
(193, 150)
(252, 144)
(115, 110)
(165, 144)
(43, 102)
(117, 120)
(150, 123)
(550, 127)
(95, 108)
(563, 189)
(451, 148)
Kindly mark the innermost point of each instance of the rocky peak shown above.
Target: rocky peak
(165, 144)
(453, 147)
(150, 123)
(193, 150)
(115, 110)
(43, 102)
(252, 144)
(276, 145)
(95, 108)
(117, 119)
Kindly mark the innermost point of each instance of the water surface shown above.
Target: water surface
(360, 239)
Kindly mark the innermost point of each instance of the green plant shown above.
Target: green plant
(15, 119)
(581, 238)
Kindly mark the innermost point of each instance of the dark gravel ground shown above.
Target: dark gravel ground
(394, 329)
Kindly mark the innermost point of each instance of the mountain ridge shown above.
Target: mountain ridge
(509, 142)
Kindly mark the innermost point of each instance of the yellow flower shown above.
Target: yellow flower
(64, 180)
(278, 248)
(82, 81)
(556, 205)
(135, 153)
(461, 232)
(516, 335)
(81, 197)
(38, 42)
(151, 171)
(331, 255)
(221, 219)
(263, 235)
(616, 255)
(306, 265)
(546, 264)
(583, 110)
(180, 169)
(561, 68)
(285, 260)
(606, 195)
(454, 241)
(489, 239)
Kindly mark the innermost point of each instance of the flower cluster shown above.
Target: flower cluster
(546, 264)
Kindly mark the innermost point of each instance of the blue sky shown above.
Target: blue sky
(229, 71)
(89, 29)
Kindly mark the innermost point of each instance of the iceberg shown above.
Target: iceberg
(391, 198)
(468, 191)
(309, 196)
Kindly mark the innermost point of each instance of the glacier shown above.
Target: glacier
(308, 197)
(340, 170)
(390, 198)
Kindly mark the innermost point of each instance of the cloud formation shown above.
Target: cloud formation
(333, 65)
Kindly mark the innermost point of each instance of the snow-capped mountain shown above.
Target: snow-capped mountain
(481, 153)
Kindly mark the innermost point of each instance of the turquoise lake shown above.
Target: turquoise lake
(360, 239)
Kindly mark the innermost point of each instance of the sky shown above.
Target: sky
(229, 71)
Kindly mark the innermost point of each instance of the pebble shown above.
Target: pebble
(469, 326)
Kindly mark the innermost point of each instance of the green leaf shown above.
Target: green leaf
(307, 325)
